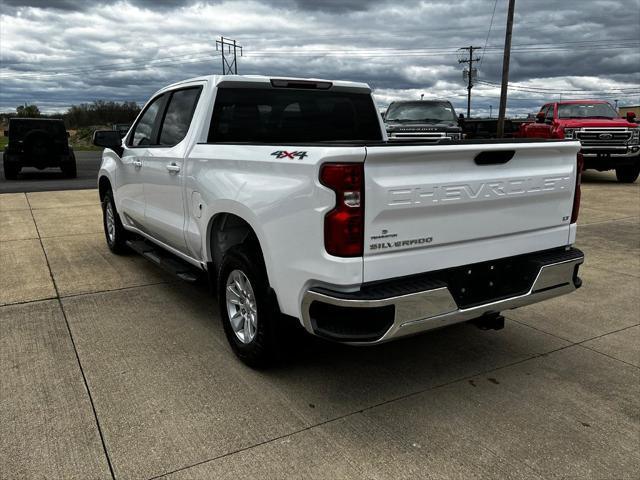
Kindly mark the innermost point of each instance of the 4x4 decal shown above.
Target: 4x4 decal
(291, 155)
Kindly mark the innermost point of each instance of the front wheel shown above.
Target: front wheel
(114, 232)
(249, 314)
(627, 173)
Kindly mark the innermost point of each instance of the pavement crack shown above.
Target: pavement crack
(75, 348)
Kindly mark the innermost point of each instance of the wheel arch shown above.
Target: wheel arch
(227, 230)
(104, 185)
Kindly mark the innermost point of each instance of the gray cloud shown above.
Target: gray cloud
(60, 52)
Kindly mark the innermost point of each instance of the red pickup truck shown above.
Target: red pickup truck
(608, 142)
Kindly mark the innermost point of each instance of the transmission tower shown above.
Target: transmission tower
(230, 58)
(469, 74)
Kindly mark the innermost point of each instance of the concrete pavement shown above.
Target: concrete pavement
(111, 368)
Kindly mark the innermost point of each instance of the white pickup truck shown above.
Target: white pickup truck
(286, 193)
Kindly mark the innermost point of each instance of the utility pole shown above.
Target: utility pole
(490, 110)
(469, 74)
(505, 69)
(229, 67)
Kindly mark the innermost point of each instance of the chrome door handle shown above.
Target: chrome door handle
(137, 163)
(172, 167)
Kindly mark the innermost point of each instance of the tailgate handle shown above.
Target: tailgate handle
(498, 157)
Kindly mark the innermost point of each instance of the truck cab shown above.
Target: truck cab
(608, 141)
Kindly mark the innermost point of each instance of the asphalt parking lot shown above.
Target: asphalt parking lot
(50, 179)
(111, 368)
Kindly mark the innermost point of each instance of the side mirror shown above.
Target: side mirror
(461, 120)
(540, 117)
(631, 117)
(6, 133)
(108, 139)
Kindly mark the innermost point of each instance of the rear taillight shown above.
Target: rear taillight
(576, 195)
(344, 225)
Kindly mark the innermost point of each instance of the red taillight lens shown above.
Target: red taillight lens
(576, 195)
(344, 225)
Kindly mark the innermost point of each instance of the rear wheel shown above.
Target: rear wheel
(248, 311)
(627, 173)
(69, 168)
(114, 232)
(11, 169)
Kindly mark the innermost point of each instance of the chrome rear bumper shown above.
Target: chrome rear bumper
(436, 307)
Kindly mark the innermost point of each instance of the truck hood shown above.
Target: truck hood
(595, 122)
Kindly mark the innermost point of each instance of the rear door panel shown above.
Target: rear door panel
(432, 207)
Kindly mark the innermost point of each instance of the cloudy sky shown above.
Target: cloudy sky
(60, 52)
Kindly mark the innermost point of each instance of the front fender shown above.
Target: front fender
(108, 169)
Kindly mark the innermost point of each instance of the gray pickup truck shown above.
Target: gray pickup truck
(426, 120)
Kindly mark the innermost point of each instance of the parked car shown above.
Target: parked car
(427, 120)
(40, 143)
(488, 128)
(121, 128)
(288, 195)
(608, 142)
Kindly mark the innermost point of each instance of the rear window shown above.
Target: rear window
(293, 116)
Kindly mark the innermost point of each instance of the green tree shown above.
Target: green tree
(28, 110)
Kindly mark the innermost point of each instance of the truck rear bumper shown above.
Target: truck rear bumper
(396, 308)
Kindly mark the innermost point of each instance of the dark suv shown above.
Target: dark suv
(39, 143)
(426, 120)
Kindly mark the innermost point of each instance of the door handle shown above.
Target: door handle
(137, 163)
(172, 167)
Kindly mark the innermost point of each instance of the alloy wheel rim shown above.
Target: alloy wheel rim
(111, 223)
(241, 306)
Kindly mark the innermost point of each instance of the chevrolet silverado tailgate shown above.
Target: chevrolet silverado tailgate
(434, 207)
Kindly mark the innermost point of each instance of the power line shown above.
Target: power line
(495, 3)
(311, 52)
(612, 90)
(164, 61)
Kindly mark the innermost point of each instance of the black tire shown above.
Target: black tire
(260, 350)
(627, 173)
(69, 169)
(116, 242)
(11, 170)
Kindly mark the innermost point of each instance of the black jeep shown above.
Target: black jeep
(39, 143)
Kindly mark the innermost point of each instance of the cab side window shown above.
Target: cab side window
(144, 133)
(549, 114)
(178, 116)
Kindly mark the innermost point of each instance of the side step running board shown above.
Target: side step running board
(166, 260)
